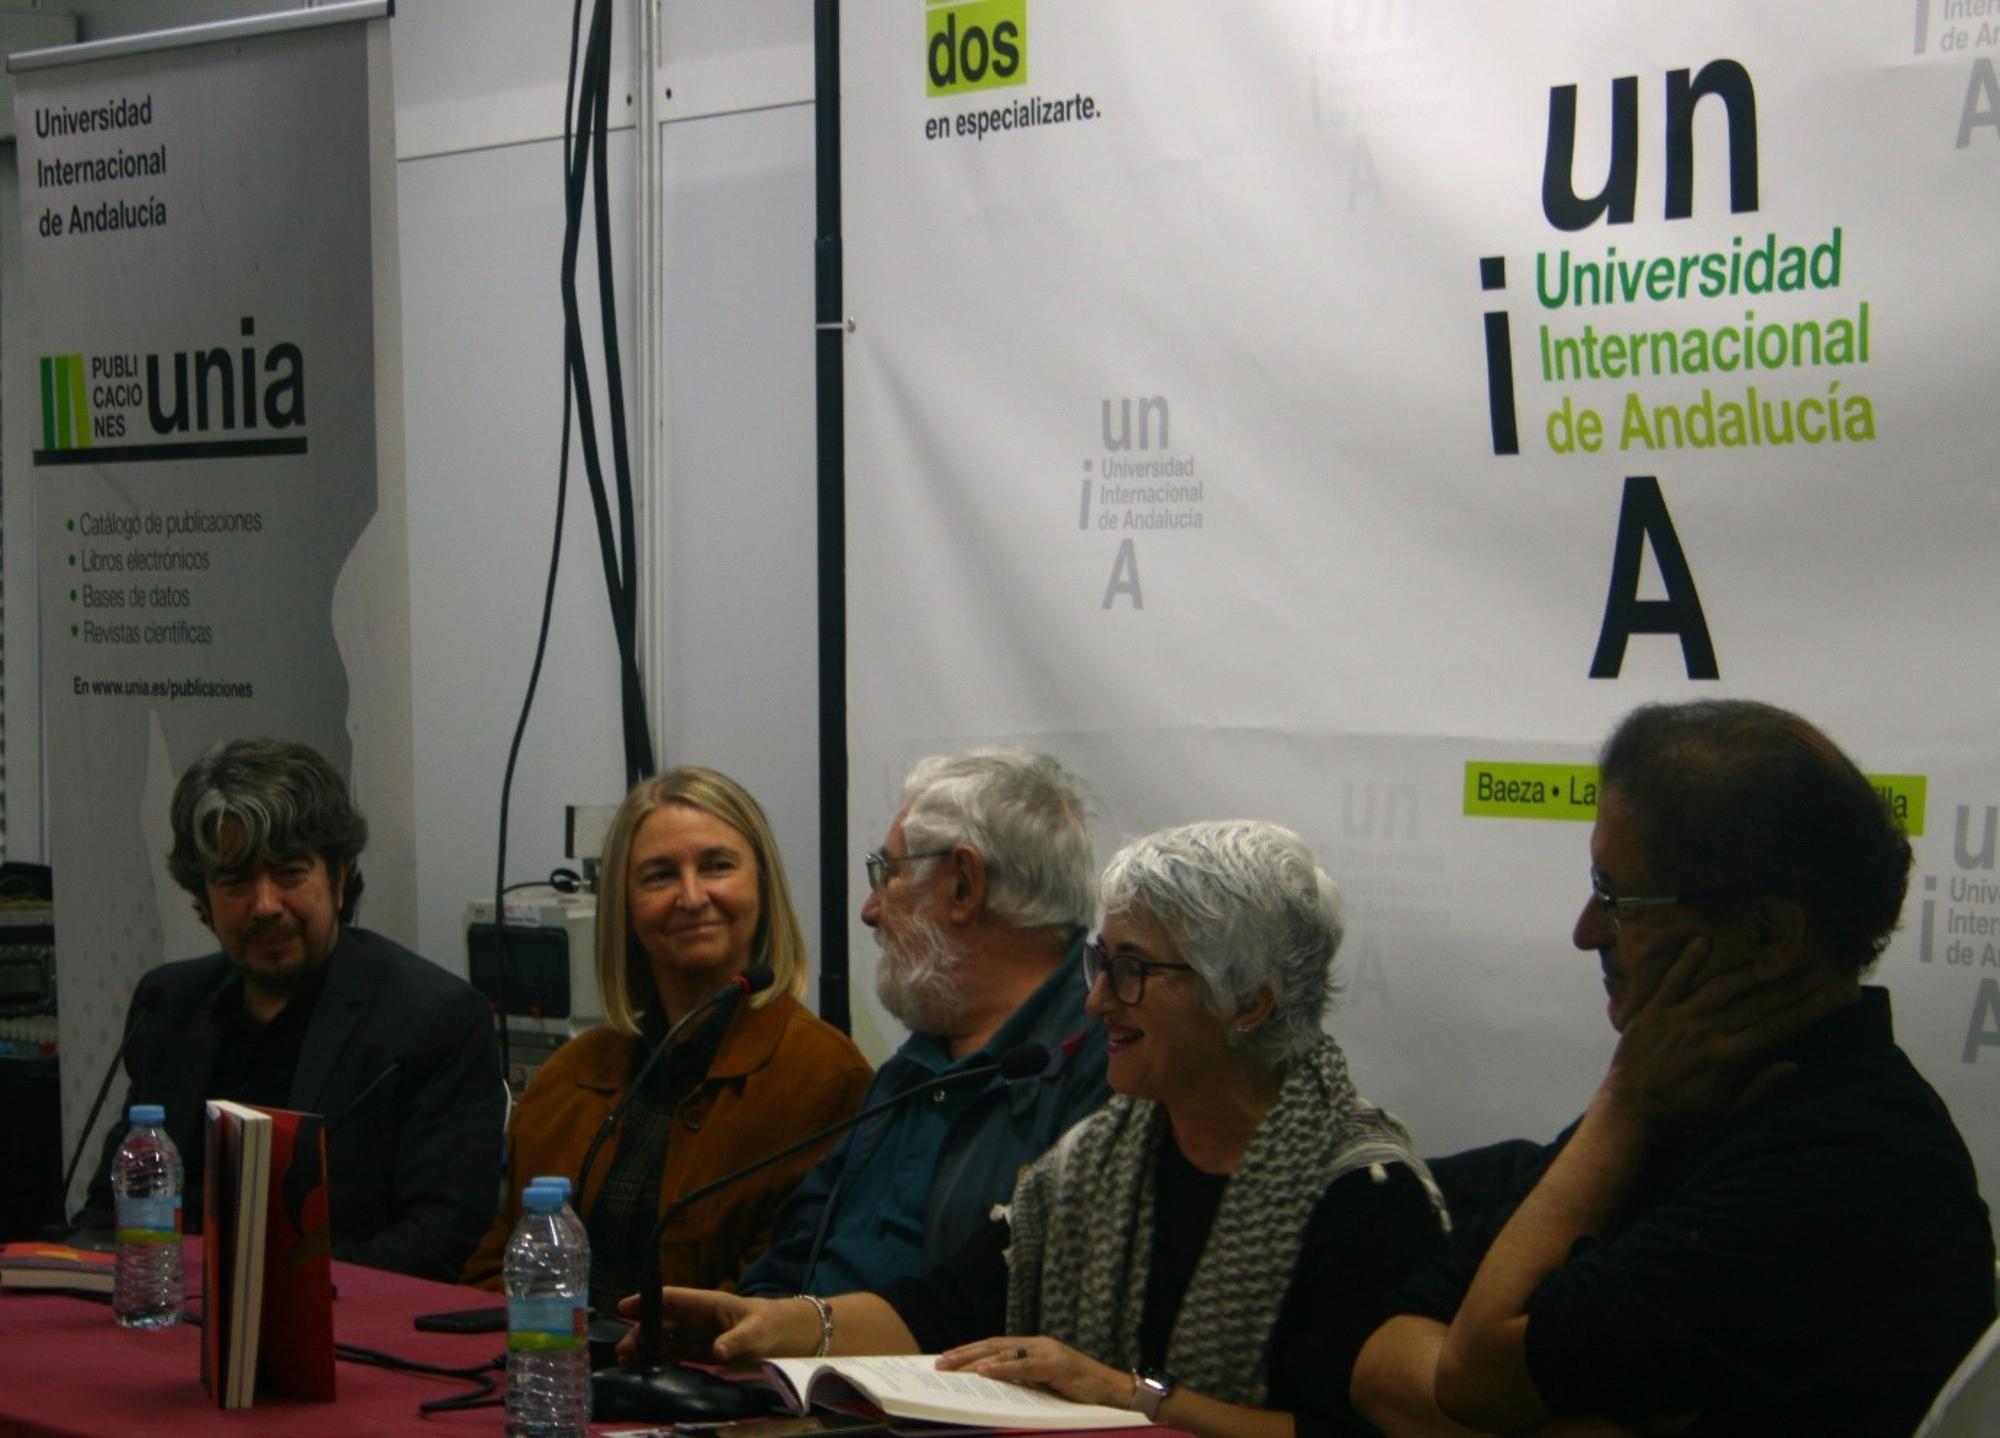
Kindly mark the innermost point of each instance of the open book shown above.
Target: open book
(915, 1388)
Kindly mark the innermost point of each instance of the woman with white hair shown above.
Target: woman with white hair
(1236, 1181)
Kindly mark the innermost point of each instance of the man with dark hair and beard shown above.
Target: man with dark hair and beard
(980, 898)
(303, 1010)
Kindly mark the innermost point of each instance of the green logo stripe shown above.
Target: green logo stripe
(78, 408)
(1497, 790)
(48, 402)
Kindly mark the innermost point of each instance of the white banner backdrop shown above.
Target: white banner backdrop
(208, 237)
(1302, 410)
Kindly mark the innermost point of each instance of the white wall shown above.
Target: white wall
(730, 627)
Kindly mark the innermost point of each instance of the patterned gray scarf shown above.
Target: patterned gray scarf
(1082, 1227)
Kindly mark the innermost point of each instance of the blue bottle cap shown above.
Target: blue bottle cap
(552, 1180)
(541, 1200)
(143, 1113)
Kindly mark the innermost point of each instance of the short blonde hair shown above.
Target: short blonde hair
(625, 978)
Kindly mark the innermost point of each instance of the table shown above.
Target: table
(69, 1370)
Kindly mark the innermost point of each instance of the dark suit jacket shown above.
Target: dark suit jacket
(413, 1169)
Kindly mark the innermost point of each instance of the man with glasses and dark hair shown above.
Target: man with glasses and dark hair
(1765, 1222)
(303, 1010)
(979, 897)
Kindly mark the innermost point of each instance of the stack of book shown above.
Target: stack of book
(56, 1266)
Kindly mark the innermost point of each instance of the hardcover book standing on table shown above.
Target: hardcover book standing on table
(269, 1317)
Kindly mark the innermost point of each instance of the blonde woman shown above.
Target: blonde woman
(693, 893)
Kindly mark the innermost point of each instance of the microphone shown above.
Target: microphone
(143, 1003)
(753, 980)
(654, 1390)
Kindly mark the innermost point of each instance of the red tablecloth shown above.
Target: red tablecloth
(68, 1371)
(66, 1368)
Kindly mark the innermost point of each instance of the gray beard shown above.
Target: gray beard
(917, 979)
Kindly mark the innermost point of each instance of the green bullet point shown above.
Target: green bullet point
(72, 524)
(72, 561)
(72, 596)
(72, 631)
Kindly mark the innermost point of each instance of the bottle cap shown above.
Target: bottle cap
(536, 1199)
(143, 1113)
(555, 1181)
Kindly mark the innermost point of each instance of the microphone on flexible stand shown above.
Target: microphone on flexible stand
(753, 980)
(661, 1390)
(1061, 1054)
(143, 1003)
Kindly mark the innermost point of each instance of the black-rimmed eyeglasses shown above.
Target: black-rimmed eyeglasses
(1620, 907)
(1127, 972)
(879, 865)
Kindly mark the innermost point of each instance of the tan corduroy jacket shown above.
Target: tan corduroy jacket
(779, 1074)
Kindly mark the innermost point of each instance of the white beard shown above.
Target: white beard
(918, 980)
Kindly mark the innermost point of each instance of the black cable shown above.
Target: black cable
(485, 1392)
(500, 886)
(638, 739)
(588, 148)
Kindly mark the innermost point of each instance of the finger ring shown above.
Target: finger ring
(1021, 1352)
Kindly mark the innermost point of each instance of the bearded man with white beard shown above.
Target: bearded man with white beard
(980, 898)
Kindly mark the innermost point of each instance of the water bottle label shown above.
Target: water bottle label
(149, 1220)
(551, 1323)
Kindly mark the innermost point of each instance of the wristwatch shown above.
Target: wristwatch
(1149, 1391)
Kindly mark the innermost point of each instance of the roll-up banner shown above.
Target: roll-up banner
(1341, 412)
(208, 243)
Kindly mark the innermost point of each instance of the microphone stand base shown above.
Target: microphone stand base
(667, 1392)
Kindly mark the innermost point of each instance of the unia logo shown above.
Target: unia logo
(974, 45)
(200, 403)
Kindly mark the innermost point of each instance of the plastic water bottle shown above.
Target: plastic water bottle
(548, 1296)
(148, 1290)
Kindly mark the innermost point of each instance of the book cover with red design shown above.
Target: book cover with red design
(269, 1310)
(296, 1354)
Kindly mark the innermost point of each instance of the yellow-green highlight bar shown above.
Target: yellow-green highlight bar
(79, 411)
(65, 425)
(975, 45)
(1498, 790)
(1905, 795)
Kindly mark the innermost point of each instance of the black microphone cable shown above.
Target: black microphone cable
(143, 1003)
(580, 116)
